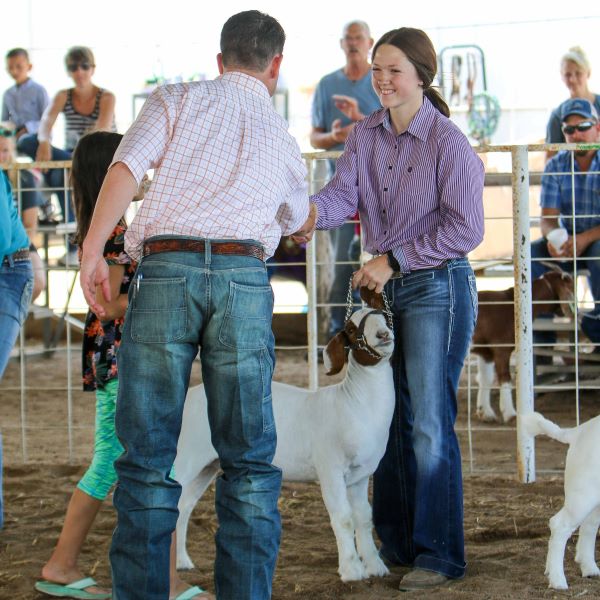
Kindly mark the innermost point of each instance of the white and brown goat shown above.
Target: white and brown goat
(336, 435)
(494, 336)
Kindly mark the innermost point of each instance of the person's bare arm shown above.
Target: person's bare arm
(44, 152)
(324, 140)
(106, 114)
(118, 189)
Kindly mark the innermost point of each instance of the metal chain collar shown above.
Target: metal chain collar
(386, 306)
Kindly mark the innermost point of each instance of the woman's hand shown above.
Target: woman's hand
(374, 274)
(44, 152)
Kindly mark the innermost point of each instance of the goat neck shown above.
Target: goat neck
(369, 383)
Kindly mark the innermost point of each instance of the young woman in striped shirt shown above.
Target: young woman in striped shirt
(418, 186)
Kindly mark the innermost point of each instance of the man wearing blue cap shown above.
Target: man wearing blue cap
(570, 202)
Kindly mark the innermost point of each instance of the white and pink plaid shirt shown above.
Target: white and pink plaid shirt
(225, 164)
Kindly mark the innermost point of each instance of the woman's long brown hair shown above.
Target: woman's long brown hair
(91, 158)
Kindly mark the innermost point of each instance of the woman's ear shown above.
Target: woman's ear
(334, 354)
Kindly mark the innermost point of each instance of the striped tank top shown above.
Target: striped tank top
(77, 124)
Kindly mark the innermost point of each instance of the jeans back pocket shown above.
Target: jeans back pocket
(159, 310)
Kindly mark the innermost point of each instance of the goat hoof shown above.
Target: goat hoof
(354, 571)
(590, 571)
(375, 567)
(487, 416)
(509, 417)
(557, 582)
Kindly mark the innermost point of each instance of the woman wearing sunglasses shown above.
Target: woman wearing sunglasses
(86, 107)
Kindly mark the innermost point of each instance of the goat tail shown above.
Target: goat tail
(534, 424)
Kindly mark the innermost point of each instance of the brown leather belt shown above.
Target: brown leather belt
(184, 245)
(18, 256)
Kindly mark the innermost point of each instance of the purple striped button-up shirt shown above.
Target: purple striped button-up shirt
(419, 194)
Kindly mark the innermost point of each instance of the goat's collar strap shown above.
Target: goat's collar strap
(358, 342)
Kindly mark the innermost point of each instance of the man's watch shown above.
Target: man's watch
(394, 264)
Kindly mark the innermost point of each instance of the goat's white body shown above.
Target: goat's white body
(582, 496)
(336, 435)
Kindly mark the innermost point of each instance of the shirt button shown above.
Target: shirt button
(385, 189)
(409, 169)
(383, 211)
(390, 167)
(385, 232)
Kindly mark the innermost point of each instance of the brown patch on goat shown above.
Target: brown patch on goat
(336, 352)
(372, 298)
(496, 322)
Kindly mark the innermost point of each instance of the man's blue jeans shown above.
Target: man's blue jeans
(590, 260)
(180, 301)
(16, 285)
(417, 494)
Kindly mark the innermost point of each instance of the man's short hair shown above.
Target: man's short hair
(17, 52)
(362, 24)
(250, 40)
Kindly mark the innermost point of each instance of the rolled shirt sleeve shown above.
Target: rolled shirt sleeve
(143, 146)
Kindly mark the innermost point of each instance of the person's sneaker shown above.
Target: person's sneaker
(69, 259)
(420, 579)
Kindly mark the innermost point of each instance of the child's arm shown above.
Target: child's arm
(106, 115)
(116, 307)
(44, 152)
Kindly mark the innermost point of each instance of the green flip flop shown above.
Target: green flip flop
(76, 589)
(190, 593)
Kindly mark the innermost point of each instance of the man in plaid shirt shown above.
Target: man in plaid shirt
(229, 182)
(570, 199)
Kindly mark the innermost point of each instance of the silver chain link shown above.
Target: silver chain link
(386, 310)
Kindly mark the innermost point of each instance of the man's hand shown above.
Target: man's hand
(306, 232)
(339, 134)
(94, 271)
(374, 274)
(349, 106)
(566, 250)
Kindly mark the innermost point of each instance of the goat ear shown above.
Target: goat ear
(566, 296)
(372, 298)
(334, 354)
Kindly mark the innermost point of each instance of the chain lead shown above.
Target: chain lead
(350, 305)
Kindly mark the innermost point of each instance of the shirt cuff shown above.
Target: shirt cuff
(401, 257)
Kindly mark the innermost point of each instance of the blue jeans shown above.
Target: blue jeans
(54, 178)
(16, 285)
(590, 260)
(417, 493)
(180, 301)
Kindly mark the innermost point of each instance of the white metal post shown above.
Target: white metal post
(523, 310)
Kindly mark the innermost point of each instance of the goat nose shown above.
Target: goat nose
(383, 334)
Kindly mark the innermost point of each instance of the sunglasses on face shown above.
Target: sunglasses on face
(83, 66)
(583, 126)
(6, 132)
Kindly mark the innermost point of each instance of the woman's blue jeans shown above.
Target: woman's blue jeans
(16, 285)
(417, 494)
(179, 302)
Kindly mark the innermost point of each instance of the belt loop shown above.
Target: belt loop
(207, 255)
(11, 260)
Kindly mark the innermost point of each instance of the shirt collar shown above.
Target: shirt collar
(243, 80)
(25, 84)
(419, 126)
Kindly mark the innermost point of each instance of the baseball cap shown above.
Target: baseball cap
(578, 106)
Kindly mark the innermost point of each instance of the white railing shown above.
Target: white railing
(519, 180)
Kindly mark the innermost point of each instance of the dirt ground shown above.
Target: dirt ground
(506, 522)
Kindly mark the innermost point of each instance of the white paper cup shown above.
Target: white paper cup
(557, 237)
